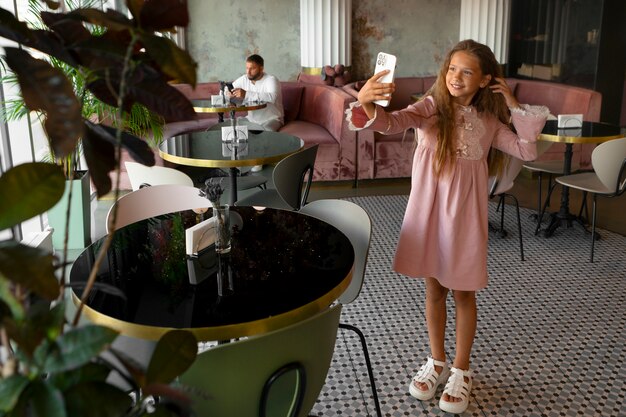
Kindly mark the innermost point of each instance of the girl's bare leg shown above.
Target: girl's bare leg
(436, 316)
(466, 318)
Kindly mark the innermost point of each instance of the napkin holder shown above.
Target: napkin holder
(200, 236)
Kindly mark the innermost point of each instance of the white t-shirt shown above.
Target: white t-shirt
(266, 89)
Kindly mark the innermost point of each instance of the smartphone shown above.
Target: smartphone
(385, 61)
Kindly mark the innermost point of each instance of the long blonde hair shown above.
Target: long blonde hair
(484, 100)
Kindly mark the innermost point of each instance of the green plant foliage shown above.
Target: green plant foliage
(27, 190)
(98, 66)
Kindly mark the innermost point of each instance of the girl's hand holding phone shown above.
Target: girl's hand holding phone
(373, 90)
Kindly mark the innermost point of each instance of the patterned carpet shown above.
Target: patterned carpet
(550, 340)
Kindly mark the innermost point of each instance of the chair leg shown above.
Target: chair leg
(367, 363)
(519, 227)
(593, 227)
(545, 206)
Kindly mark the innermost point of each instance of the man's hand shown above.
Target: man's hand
(238, 92)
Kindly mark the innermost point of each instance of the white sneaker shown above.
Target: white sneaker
(257, 168)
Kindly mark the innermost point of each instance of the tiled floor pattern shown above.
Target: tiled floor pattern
(550, 340)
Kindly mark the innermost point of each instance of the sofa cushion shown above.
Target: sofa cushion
(292, 96)
(311, 134)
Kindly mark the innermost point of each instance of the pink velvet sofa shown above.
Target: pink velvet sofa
(313, 112)
(381, 156)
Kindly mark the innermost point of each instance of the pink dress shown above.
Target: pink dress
(445, 229)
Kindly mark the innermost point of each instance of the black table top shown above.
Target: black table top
(282, 268)
(590, 132)
(206, 149)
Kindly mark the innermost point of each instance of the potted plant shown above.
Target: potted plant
(139, 121)
(50, 366)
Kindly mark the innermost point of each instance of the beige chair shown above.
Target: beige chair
(498, 187)
(154, 201)
(280, 373)
(141, 175)
(608, 179)
(356, 224)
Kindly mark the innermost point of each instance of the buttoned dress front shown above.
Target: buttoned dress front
(445, 228)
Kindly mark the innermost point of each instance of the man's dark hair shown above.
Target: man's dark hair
(257, 59)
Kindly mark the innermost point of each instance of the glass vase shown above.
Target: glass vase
(222, 228)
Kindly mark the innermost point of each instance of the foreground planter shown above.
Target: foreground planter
(80, 215)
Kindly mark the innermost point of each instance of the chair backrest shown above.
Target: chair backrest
(355, 223)
(505, 181)
(156, 200)
(608, 160)
(140, 174)
(280, 373)
(293, 176)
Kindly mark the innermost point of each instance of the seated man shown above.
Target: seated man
(256, 85)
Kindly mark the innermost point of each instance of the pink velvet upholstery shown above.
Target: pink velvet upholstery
(313, 112)
(561, 99)
(381, 156)
(321, 120)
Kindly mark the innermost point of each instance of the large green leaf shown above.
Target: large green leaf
(96, 399)
(28, 190)
(137, 148)
(172, 60)
(29, 267)
(46, 88)
(10, 390)
(45, 400)
(77, 347)
(173, 355)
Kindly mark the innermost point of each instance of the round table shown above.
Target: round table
(589, 132)
(283, 267)
(206, 149)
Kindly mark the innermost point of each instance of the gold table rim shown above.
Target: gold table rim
(228, 163)
(148, 332)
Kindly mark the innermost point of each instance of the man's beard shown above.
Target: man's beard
(256, 77)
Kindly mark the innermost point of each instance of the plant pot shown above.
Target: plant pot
(80, 215)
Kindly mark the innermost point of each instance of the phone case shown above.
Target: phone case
(385, 61)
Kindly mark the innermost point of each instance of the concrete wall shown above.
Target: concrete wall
(221, 35)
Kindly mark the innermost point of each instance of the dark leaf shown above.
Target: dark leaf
(173, 355)
(98, 52)
(100, 157)
(110, 19)
(44, 41)
(87, 373)
(29, 267)
(134, 7)
(52, 4)
(172, 60)
(138, 149)
(146, 87)
(70, 30)
(96, 399)
(28, 190)
(10, 390)
(47, 89)
(78, 346)
(162, 15)
(45, 400)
